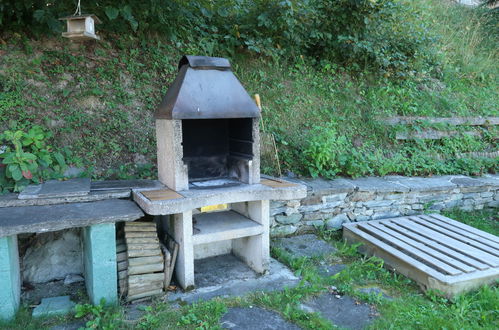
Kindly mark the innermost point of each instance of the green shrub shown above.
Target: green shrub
(379, 34)
(26, 158)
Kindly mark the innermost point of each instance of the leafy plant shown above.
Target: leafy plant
(26, 157)
(99, 316)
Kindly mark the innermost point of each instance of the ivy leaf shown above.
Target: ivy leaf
(111, 12)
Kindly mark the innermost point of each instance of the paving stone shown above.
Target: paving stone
(251, 318)
(308, 245)
(330, 270)
(29, 219)
(53, 306)
(55, 188)
(343, 312)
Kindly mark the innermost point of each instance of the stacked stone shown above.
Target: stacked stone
(331, 203)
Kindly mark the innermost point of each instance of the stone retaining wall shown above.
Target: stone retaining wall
(331, 203)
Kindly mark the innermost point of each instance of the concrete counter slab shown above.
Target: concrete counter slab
(36, 219)
(195, 198)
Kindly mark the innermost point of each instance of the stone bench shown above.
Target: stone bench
(97, 219)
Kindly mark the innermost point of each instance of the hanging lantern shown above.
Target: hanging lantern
(80, 27)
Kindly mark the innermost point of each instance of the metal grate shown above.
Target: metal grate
(435, 251)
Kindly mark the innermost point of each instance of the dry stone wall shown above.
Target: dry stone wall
(331, 203)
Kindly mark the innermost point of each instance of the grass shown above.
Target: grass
(98, 100)
(409, 308)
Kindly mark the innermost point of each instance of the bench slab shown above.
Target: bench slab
(38, 219)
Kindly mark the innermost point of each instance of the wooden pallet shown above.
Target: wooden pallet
(435, 251)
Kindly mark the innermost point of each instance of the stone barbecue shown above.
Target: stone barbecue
(207, 130)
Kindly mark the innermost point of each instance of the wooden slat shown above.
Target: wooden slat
(409, 240)
(432, 134)
(145, 260)
(467, 228)
(143, 240)
(484, 248)
(437, 246)
(121, 256)
(144, 294)
(144, 287)
(122, 275)
(141, 224)
(120, 248)
(490, 244)
(143, 253)
(134, 279)
(143, 246)
(160, 195)
(277, 183)
(145, 269)
(129, 229)
(137, 234)
(449, 242)
(122, 265)
(416, 253)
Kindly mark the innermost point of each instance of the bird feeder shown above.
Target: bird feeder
(81, 27)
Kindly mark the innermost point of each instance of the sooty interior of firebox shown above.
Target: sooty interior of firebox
(215, 148)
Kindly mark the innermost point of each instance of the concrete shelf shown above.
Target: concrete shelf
(221, 226)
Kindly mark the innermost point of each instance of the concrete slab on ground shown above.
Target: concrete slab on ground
(227, 276)
(308, 245)
(345, 312)
(53, 306)
(250, 318)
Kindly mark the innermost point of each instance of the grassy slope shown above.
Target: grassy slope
(98, 99)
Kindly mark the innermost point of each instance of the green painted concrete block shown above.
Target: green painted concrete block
(100, 263)
(10, 278)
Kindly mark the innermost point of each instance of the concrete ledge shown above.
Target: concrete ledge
(195, 198)
(37, 219)
(332, 203)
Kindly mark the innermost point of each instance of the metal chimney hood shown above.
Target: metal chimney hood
(206, 88)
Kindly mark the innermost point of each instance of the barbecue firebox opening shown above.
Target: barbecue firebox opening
(217, 148)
